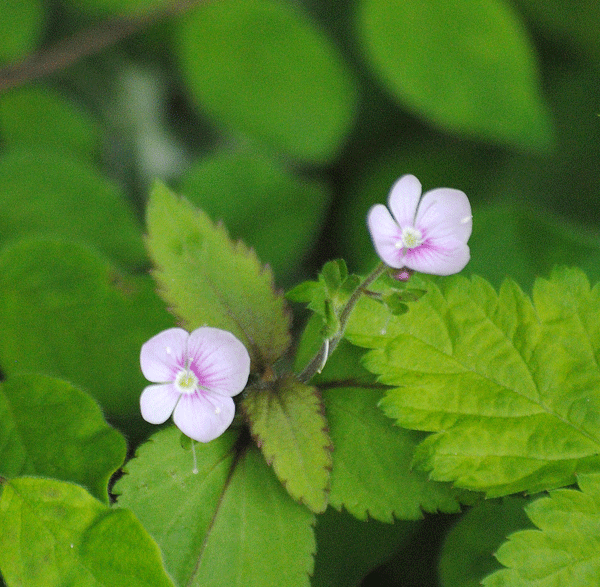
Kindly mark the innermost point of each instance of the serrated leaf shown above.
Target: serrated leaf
(64, 310)
(465, 66)
(52, 429)
(566, 548)
(232, 524)
(509, 388)
(55, 534)
(466, 556)
(286, 420)
(209, 280)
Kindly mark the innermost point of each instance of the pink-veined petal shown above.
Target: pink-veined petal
(404, 199)
(204, 416)
(438, 257)
(219, 360)
(163, 355)
(445, 213)
(385, 233)
(157, 402)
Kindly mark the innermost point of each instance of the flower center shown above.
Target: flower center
(411, 238)
(186, 381)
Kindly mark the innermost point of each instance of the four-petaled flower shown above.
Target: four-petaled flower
(195, 376)
(427, 234)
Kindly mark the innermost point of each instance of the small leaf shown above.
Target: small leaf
(287, 87)
(209, 280)
(566, 548)
(55, 534)
(509, 388)
(465, 66)
(287, 422)
(231, 524)
(51, 429)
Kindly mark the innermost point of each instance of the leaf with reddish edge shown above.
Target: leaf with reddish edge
(287, 421)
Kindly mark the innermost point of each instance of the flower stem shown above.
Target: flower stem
(318, 361)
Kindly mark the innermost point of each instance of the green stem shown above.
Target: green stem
(318, 361)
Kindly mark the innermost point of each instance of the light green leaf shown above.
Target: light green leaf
(240, 187)
(50, 193)
(209, 280)
(287, 422)
(56, 534)
(566, 548)
(22, 22)
(232, 524)
(52, 429)
(64, 311)
(371, 474)
(467, 67)
(467, 550)
(36, 116)
(286, 87)
(510, 390)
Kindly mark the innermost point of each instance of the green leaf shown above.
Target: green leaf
(509, 388)
(566, 548)
(119, 7)
(49, 193)
(25, 20)
(466, 556)
(65, 312)
(287, 87)
(371, 474)
(52, 429)
(56, 534)
(35, 116)
(232, 524)
(240, 187)
(467, 67)
(287, 422)
(209, 280)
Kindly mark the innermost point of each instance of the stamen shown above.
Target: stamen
(412, 237)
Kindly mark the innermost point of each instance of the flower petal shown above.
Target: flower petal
(204, 416)
(445, 213)
(404, 199)
(163, 355)
(157, 402)
(385, 233)
(438, 257)
(219, 360)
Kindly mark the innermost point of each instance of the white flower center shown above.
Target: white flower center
(411, 238)
(186, 381)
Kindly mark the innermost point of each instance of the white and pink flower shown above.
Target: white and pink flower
(428, 234)
(194, 378)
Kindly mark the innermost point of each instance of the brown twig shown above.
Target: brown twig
(67, 51)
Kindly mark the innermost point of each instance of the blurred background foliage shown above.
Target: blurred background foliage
(286, 120)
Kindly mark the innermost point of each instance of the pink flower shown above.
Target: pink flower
(427, 234)
(195, 376)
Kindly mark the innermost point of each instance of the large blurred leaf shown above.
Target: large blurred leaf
(48, 193)
(260, 202)
(231, 524)
(466, 66)
(64, 311)
(51, 429)
(532, 241)
(209, 280)
(509, 388)
(262, 68)
(287, 422)
(35, 116)
(21, 23)
(118, 7)
(566, 548)
(467, 551)
(56, 534)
